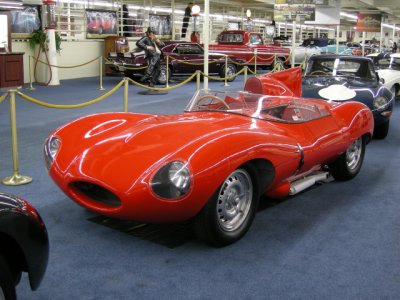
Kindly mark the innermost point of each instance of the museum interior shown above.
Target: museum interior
(252, 151)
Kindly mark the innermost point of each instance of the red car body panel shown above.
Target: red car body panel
(245, 49)
(121, 152)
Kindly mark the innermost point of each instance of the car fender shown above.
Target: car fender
(21, 223)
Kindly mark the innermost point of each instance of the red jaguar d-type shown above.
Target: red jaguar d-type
(212, 162)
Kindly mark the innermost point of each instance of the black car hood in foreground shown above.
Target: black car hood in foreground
(366, 90)
(23, 233)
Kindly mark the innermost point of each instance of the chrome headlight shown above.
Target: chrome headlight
(380, 102)
(172, 180)
(51, 147)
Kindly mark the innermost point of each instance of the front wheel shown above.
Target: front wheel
(229, 213)
(230, 71)
(162, 77)
(7, 288)
(349, 163)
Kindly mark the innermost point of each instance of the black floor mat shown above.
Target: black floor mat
(168, 235)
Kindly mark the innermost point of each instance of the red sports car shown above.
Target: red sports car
(212, 162)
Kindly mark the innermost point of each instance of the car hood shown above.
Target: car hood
(388, 73)
(365, 92)
(105, 143)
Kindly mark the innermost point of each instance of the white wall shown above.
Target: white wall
(72, 53)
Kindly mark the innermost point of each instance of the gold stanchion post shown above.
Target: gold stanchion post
(226, 70)
(101, 88)
(167, 73)
(16, 178)
(245, 75)
(30, 76)
(198, 80)
(255, 62)
(126, 94)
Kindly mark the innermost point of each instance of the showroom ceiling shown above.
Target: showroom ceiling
(264, 8)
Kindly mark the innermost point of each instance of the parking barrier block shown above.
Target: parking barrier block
(16, 178)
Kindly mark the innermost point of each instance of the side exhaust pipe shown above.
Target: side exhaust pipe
(304, 183)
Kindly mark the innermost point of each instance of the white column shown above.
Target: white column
(206, 33)
(293, 42)
(381, 36)
(337, 38)
(52, 55)
(173, 18)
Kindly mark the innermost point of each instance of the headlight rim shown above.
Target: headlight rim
(157, 186)
(49, 154)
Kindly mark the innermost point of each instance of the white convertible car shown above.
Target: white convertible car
(388, 68)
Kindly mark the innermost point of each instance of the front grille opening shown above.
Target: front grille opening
(97, 193)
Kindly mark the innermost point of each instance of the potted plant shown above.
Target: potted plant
(39, 37)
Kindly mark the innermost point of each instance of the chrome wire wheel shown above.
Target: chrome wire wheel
(162, 77)
(354, 154)
(234, 200)
(230, 70)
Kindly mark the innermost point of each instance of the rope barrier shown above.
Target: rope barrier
(2, 98)
(163, 89)
(222, 79)
(66, 67)
(49, 105)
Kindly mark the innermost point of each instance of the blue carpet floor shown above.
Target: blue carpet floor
(334, 241)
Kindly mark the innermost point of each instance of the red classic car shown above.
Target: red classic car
(185, 58)
(212, 162)
(246, 44)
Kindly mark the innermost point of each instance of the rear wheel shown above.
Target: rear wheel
(230, 212)
(349, 163)
(230, 71)
(7, 288)
(381, 131)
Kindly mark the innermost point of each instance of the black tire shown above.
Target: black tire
(163, 74)
(349, 163)
(230, 70)
(129, 74)
(381, 131)
(219, 223)
(6, 281)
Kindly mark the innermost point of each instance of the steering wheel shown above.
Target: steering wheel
(212, 97)
(318, 72)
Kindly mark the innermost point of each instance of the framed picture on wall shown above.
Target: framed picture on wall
(162, 25)
(25, 21)
(101, 23)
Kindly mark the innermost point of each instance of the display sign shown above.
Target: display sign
(162, 25)
(25, 21)
(101, 23)
(368, 23)
(287, 10)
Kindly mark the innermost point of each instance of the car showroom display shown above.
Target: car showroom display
(326, 76)
(24, 245)
(184, 58)
(246, 44)
(388, 68)
(212, 162)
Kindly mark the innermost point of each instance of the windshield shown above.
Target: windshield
(272, 108)
(341, 67)
(388, 63)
